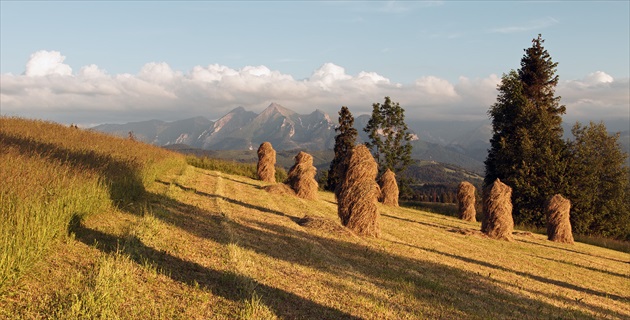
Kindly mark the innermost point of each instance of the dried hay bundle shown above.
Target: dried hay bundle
(358, 194)
(323, 224)
(466, 201)
(389, 189)
(558, 224)
(497, 209)
(301, 177)
(266, 163)
(279, 188)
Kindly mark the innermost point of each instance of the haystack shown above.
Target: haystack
(358, 194)
(301, 177)
(389, 189)
(558, 224)
(266, 163)
(497, 209)
(466, 201)
(279, 188)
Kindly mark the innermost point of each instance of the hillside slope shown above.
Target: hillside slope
(212, 245)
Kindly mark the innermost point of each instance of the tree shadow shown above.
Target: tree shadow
(573, 251)
(432, 225)
(573, 264)
(230, 200)
(223, 283)
(522, 274)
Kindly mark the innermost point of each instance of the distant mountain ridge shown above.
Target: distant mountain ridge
(285, 129)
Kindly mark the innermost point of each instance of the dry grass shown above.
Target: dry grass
(389, 189)
(358, 194)
(301, 177)
(210, 245)
(497, 210)
(466, 201)
(558, 224)
(266, 163)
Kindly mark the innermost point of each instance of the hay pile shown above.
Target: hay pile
(558, 224)
(358, 194)
(389, 189)
(497, 209)
(301, 177)
(466, 201)
(266, 163)
(323, 224)
(279, 188)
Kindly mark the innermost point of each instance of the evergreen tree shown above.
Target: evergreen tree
(600, 183)
(389, 136)
(527, 151)
(344, 142)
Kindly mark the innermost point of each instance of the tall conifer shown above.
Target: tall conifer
(527, 151)
(344, 143)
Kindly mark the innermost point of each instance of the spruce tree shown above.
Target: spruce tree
(389, 136)
(600, 183)
(344, 142)
(527, 151)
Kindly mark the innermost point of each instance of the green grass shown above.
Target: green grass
(231, 167)
(52, 174)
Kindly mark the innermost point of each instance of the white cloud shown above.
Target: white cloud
(597, 96)
(50, 90)
(528, 26)
(44, 63)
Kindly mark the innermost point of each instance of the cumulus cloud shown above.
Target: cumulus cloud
(44, 63)
(49, 89)
(598, 96)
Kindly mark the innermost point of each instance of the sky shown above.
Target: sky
(99, 62)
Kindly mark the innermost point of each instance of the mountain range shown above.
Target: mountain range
(285, 129)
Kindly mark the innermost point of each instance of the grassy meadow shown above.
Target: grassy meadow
(52, 174)
(195, 243)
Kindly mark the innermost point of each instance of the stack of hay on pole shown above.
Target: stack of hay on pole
(358, 194)
(466, 201)
(301, 177)
(389, 189)
(558, 224)
(497, 208)
(266, 167)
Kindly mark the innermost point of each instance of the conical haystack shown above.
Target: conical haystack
(389, 189)
(266, 167)
(358, 194)
(466, 201)
(301, 177)
(497, 209)
(558, 224)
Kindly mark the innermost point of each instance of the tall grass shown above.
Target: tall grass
(52, 174)
(232, 167)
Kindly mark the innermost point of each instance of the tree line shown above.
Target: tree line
(527, 151)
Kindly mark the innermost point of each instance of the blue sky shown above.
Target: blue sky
(114, 61)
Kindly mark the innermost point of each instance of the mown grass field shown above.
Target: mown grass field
(203, 244)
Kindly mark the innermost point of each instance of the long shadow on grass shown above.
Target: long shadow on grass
(584, 267)
(122, 177)
(439, 226)
(450, 290)
(574, 251)
(223, 283)
(523, 274)
(230, 200)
